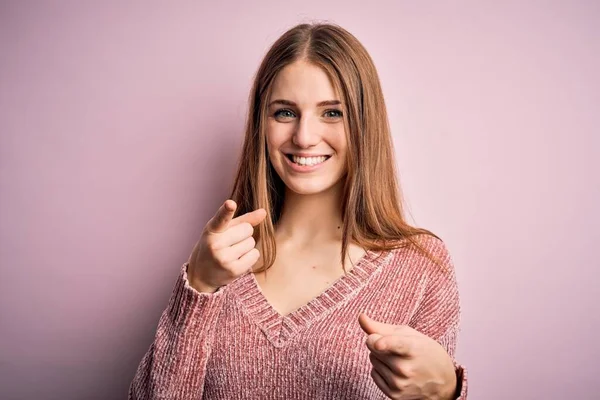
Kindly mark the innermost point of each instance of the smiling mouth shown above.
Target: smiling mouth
(307, 161)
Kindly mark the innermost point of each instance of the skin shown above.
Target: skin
(311, 213)
(406, 364)
(305, 115)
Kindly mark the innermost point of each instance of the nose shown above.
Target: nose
(306, 134)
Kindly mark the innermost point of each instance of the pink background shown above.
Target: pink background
(121, 125)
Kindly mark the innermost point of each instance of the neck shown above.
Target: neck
(308, 220)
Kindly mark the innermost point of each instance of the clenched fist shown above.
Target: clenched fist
(225, 249)
(407, 364)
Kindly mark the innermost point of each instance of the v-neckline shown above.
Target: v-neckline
(280, 328)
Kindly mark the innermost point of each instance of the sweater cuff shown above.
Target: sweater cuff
(461, 382)
(186, 302)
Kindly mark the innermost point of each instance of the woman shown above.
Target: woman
(344, 300)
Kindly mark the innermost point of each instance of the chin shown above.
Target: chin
(309, 188)
(309, 185)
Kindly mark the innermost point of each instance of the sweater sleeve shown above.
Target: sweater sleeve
(174, 366)
(438, 314)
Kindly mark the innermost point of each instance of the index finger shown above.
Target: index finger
(220, 221)
(253, 217)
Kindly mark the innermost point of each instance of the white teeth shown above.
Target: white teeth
(308, 160)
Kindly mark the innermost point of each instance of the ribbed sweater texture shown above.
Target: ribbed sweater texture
(232, 344)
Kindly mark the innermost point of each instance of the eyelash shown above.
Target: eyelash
(279, 113)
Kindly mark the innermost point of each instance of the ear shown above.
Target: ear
(371, 326)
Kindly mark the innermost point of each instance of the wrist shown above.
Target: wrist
(203, 288)
(198, 284)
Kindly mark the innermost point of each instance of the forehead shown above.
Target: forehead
(303, 83)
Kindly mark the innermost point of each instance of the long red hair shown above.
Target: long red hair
(372, 209)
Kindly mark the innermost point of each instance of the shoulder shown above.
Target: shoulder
(426, 255)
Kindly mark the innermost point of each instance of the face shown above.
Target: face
(305, 129)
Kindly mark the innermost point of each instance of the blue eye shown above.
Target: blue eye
(284, 113)
(333, 114)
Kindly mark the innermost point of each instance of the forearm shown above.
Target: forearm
(174, 366)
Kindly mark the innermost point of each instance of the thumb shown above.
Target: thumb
(372, 339)
(371, 326)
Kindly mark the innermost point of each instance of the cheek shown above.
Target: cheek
(337, 139)
(274, 143)
(277, 135)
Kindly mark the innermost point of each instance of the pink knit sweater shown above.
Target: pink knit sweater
(232, 344)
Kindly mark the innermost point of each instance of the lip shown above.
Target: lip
(307, 155)
(304, 168)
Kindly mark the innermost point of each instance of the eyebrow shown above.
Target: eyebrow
(319, 104)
